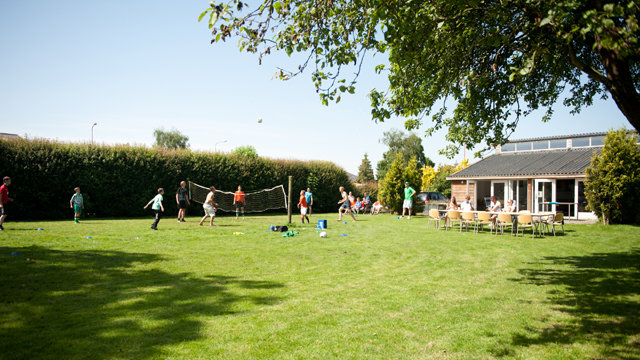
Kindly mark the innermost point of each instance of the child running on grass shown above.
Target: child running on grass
(209, 207)
(345, 205)
(238, 201)
(157, 207)
(303, 206)
(77, 204)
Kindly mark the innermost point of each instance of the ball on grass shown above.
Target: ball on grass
(323, 234)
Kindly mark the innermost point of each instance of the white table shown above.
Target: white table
(516, 214)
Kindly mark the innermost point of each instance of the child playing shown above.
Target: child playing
(238, 201)
(344, 205)
(182, 199)
(302, 205)
(209, 207)
(4, 200)
(77, 204)
(157, 207)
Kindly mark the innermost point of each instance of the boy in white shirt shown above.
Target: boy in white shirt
(467, 206)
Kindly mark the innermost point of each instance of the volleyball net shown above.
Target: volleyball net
(254, 201)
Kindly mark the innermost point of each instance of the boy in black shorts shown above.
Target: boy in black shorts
(182, 199)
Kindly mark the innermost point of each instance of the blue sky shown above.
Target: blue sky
(133, 66)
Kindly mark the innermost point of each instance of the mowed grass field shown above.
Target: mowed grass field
(391, 289)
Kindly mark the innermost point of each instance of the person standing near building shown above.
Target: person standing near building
(4, 200)
(408, 199)
(238, 201)
(182, 199)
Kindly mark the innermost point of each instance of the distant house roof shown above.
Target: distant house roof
(560, 137)
(352, 177)
(6, 136)
(564, 162)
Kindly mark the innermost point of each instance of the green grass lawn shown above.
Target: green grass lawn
(391, 289)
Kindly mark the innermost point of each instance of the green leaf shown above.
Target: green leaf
(203, 14)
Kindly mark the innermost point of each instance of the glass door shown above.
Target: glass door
(545, 193)
(498, 189)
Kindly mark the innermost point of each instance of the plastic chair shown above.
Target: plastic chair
(434, 215)
(557, 220)
(526, 221)
(468, 218)
(484, 218)
(454, 215)
(504, 220)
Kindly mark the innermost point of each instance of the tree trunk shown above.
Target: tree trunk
(621, 85)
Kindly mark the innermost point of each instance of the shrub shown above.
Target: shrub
(118, 180)
(370, 188)
(612, 186)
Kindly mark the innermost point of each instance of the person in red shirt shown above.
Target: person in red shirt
(4, 200)
(238, 201)
(303, 206)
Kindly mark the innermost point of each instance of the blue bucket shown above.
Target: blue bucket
(322, 224)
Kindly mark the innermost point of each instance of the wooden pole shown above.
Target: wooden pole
(289, 207)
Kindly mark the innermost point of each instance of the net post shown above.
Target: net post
(289, 200)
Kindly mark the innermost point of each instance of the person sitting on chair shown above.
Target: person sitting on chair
(452, 205)
(495, 207)
(467, 205)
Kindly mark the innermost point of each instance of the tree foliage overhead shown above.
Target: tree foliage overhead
(612, 186)
(173, 139)
(365, 171)
(404, 146)
(492, 61)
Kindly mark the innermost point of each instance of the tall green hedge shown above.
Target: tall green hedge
(117, 181)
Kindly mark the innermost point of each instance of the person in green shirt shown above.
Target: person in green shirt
(156, 207)
(408, 199)
(77, 204)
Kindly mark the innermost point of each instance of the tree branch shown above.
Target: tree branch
(593, 73)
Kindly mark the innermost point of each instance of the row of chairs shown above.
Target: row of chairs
(525, 221)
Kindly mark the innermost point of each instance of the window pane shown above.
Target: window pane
(538, 145)
(509, 147)
(558, 144)
(597, 141)
(580, 142)
(522, 198)
(498, 192)
(524, 146)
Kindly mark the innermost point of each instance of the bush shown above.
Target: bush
(612, 186)
(370, 188)
(117, 181)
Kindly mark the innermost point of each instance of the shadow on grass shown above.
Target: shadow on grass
(601, 292)
(110, 304)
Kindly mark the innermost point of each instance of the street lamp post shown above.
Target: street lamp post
(94, 124)
(215, 147)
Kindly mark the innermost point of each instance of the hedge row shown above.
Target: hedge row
(117, 181)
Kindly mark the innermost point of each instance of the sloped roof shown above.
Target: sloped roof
(531, 163)
(556, 137)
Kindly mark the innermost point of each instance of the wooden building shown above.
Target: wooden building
(536, 173)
